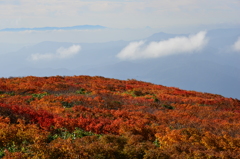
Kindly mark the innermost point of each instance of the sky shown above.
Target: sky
(145, 16)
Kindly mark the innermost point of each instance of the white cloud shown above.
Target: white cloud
(118, 13)
(177, 45)
(76, 36)
(71, 51)
(37, 56)
(61, 53)
(236, 46)
(105, 6)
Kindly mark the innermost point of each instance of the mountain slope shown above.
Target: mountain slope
(93, 117)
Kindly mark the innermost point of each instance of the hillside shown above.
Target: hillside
(97, 117)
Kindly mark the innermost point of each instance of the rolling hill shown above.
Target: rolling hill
(97, 117)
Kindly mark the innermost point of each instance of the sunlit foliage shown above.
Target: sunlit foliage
(97, 117)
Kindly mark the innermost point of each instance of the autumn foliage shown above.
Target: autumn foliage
(96, 117)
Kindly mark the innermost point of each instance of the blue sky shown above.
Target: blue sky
(171, 16)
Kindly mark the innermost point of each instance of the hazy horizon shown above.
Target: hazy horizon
(124, 19)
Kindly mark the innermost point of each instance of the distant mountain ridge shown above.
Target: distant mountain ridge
(78, 27)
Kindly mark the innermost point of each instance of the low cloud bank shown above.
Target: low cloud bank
(61, 53)
(177, 45)
(75, 36)
(236, 45)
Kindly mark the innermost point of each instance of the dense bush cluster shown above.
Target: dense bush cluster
(97, 117)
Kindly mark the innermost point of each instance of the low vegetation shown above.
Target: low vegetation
(100, 118)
